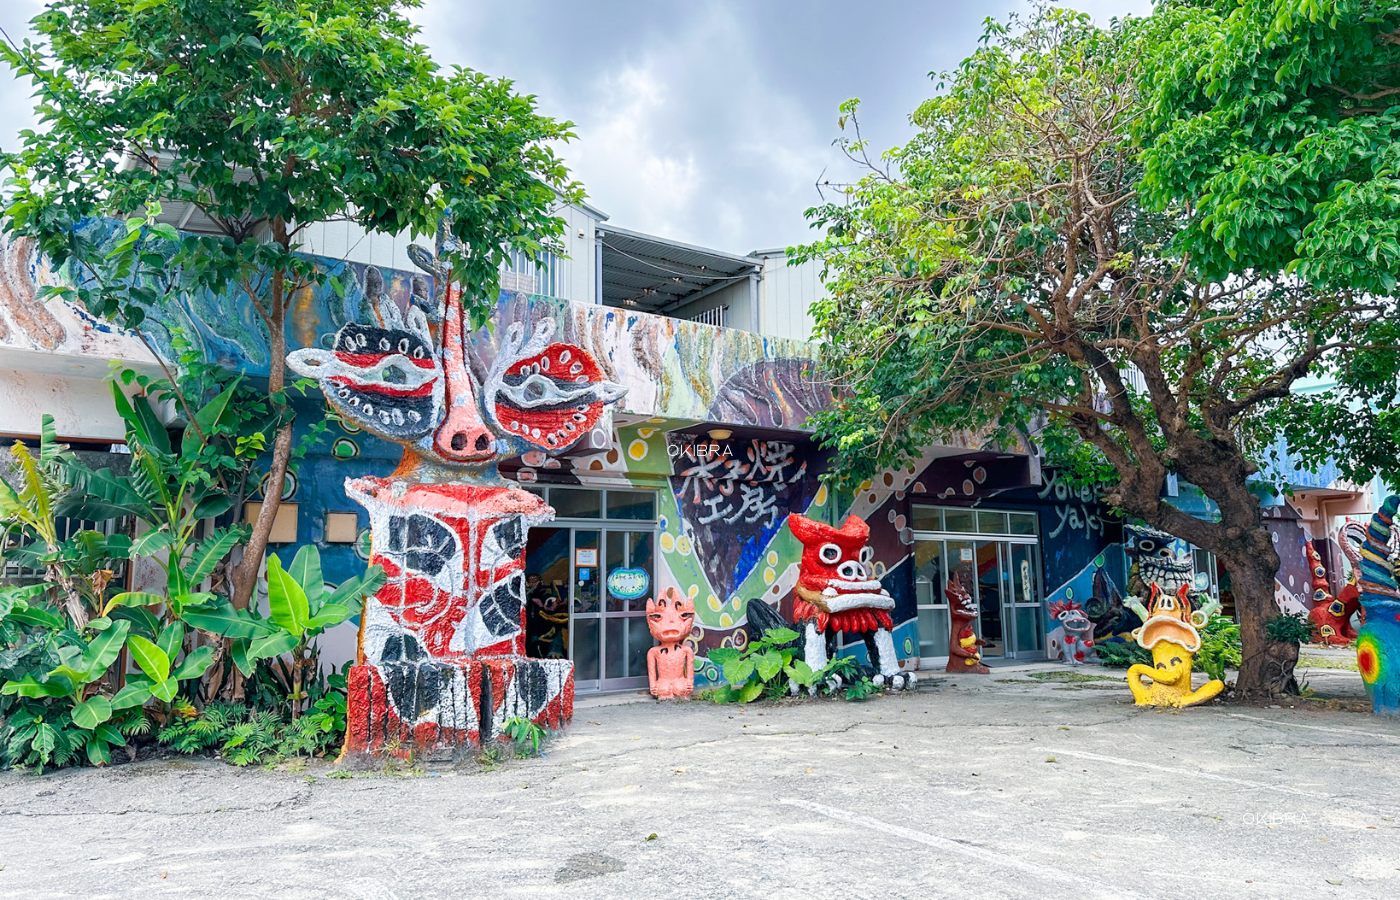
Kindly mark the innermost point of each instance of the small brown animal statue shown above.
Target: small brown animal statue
(963, 655)
(670, 666)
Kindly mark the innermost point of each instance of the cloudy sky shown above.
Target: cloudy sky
(705, 121)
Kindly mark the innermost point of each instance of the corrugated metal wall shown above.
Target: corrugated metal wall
(574, 278)
(786, 294)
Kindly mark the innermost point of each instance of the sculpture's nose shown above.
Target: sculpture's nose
(462, 436)
(851, 570)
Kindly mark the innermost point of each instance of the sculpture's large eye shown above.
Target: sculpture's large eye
(1161, 665)
(867, 555)
(830, 554)
(1176, 660)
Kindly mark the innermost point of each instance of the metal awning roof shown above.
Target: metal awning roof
(657, 275)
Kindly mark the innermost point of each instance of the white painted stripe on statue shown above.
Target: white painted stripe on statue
(1083, 883)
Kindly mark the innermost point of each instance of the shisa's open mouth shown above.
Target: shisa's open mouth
(841, 595)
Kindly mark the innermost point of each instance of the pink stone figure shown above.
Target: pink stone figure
(670, 666)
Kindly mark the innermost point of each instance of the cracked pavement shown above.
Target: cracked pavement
(998, 787)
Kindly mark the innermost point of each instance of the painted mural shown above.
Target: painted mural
(672, 368)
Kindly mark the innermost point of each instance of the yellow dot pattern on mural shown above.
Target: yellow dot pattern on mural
(769, 575)
(683, 545)
(668, 543)
(637, 449)
(726, 621)
(693, 591)
(772, 558)
(821, 496)
(714, 603)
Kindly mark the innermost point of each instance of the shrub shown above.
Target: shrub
(1289, 628)
(1220, 648)
(1121, 654)
(768, 667)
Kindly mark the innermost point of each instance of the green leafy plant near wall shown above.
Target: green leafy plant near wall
(1221, 647)
(769, 667)
(524, 734)
(300, 609)
(62, 697)
(59, 642)
(1122, 654)
(245, 734)
(1290, 628)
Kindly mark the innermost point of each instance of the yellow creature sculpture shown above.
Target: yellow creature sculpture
(1170, 630)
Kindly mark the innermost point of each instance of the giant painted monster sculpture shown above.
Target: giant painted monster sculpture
(671, 664)
(1331, 617)
(1171, 631)
(963, 642)
(1378, 645)
(441, 660)
(837, 591)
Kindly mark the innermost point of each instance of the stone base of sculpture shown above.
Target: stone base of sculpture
(429, 706)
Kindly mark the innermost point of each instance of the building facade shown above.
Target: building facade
(691, 486)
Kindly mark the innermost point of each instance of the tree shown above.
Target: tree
(269, 116)
(1001, 271)
(1273, 124)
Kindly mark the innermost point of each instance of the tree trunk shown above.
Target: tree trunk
(1267, 667)
(245, 580)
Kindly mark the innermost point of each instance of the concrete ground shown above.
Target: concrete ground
(1005, 786)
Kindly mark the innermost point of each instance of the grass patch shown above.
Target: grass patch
(1071, 677)
(1326, 662)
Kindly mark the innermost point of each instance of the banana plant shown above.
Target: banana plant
(171, 492)
(79, 567)
(300, 609)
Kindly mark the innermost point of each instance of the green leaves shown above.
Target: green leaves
(103, 650)
(153, 660)
(337, 114)
(737, 671)
(287, 603)
(218, 616)
(768, 665)
(92, 712)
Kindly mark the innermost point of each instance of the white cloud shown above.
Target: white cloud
(621, 150)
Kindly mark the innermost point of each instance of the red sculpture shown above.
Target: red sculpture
(671, 664)
(836, 591)
(441, 660)
(963, 655)
(1331, 618)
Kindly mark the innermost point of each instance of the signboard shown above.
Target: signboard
(629, 584)
(585, 558)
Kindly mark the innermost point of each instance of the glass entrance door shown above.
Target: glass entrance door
(601, 573)
(610, 638)
(626, 638)
(994, 557)
(991, 591)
